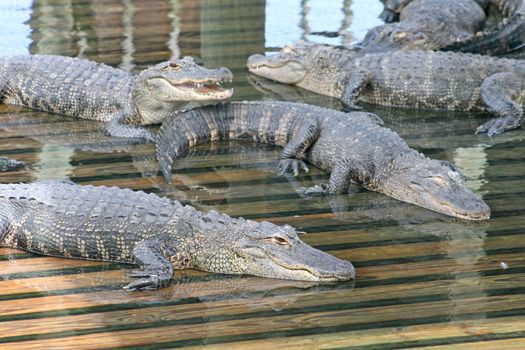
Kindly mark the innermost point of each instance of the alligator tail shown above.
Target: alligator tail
(264, 122)
(505, 38)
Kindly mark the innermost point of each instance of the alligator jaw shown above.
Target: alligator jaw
(276, 68)
(482, 212)
(470, 208)
(196, 90)
(208, 88)
(303, 263)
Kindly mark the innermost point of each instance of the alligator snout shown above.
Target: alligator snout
(224, 73)
(344, 271)
(256, 60)
(477, 210)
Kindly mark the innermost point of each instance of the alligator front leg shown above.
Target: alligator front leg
(497, 94)
(155, 269)
(116, 129)
(357, 80)
(339, 182)
(296, 148)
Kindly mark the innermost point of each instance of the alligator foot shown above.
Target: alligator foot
(291, 165)
(7, 164)
(315, 191)
(498, 125)
(147, 280)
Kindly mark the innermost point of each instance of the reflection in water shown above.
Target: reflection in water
(244, 20)
(275, 91)
(127, 44)
(173, 42)
(328, 22)
(461, 242)
(472, 161)
(53, 28)
(54, 162)
(13, 27)
(399, 247)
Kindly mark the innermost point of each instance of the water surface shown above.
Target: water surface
(424, 280)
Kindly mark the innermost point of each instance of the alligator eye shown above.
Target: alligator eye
(439, 181)
(279, 240)
(175, 66)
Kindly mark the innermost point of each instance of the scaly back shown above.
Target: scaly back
(64, 85)
(64, 219)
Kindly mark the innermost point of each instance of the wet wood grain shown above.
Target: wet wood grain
(423, 280)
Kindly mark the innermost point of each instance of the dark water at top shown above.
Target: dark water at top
(423, 279)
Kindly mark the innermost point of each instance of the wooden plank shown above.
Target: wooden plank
(393, 336)
(237, 306)
(43, 264)
(271, 324)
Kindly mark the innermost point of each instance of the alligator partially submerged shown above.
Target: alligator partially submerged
(353, 147)
(86, 89)
(424, 25)
(60, 218)
(416, 79)
(507, 36)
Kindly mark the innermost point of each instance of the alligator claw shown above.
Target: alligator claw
(147, 281)
(498, 125)
(143, 284)
(317, 190)
(291, 165)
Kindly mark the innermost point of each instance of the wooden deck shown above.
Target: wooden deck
(424, 280)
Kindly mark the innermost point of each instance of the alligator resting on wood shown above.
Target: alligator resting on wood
(507, 36)
(416, 79)
(424, 25)
(86, 89)
(63, 219)
(353, 147)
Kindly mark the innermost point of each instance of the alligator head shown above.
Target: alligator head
(170, 85)
(239, 246)
(436, 185)
(394, 37)
(315, 67)
(287, 66)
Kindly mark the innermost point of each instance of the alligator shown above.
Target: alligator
(86, 89)
(61, 218)
(353, 147)
(507, 36)
(393, 8)
(425, 25)
(415, 79)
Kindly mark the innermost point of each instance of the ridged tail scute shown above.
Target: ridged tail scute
(265, 122)
(505, 38)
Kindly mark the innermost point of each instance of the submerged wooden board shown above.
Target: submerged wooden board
(424, 280)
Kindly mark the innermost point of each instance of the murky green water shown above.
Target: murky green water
(423, 279)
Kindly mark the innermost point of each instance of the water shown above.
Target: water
(423, 279)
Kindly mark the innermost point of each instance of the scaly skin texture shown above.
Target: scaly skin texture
(86, 89)
(425, 25)
(418, 79)
(353, 147)
(506, 37)
(111, 224)
(392, 8)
